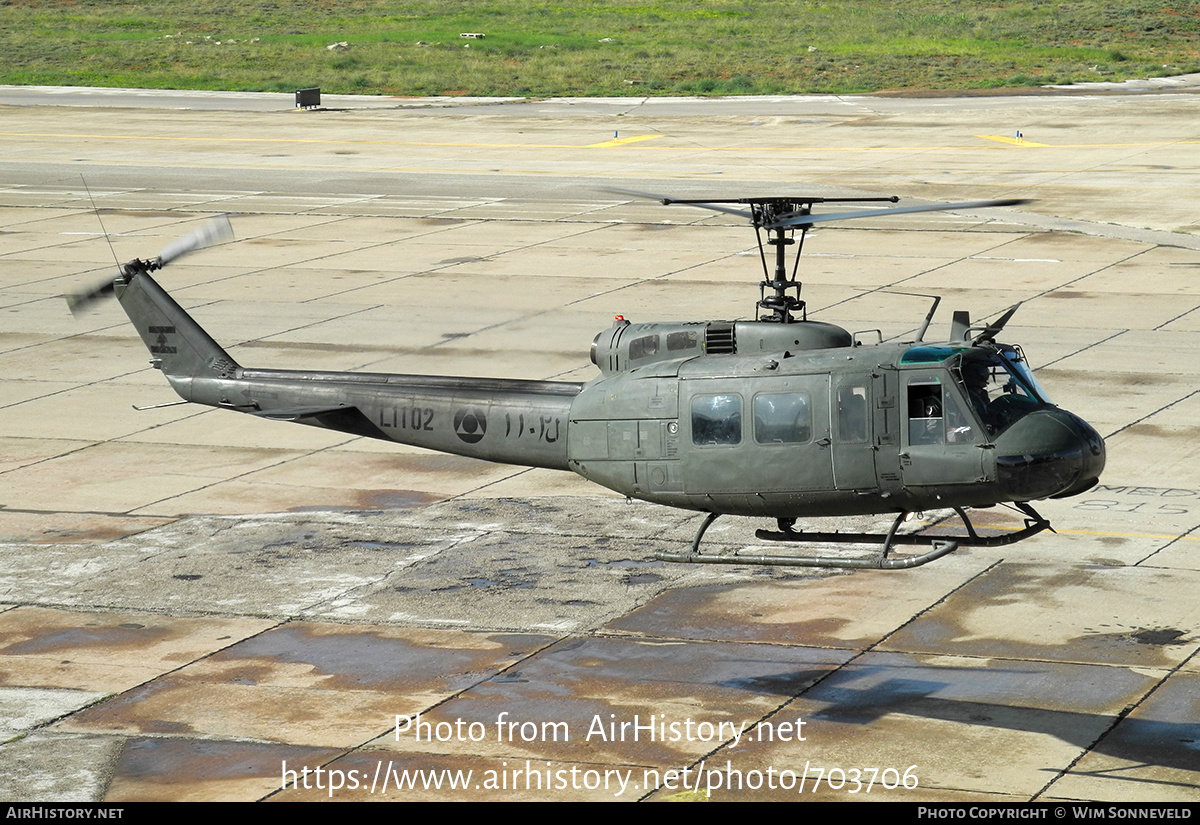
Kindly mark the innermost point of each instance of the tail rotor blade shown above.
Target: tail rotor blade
(77, 302)
(212, 232)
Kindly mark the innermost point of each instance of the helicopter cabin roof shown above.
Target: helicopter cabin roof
(930, 354)
(788, 362)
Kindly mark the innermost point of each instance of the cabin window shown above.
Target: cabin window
(782, 418)
(717, 419)
(852, 414)
(682, 340)
(926, 414)
(643, 347)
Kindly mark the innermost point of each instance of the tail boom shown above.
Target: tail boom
(510, 422)
(502, 420)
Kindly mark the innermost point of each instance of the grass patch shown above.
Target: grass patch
(578, 47)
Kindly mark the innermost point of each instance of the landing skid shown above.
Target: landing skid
(939, 546)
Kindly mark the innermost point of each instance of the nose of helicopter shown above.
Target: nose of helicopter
(1050, 453)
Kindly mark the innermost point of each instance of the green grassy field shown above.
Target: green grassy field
(582, 47)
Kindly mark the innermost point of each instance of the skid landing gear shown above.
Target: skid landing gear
(939, 545)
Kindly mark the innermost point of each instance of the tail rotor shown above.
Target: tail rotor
(212, 232)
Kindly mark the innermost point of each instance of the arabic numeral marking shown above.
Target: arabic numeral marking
(417, 418)
(857, 780)
(548, 429)
(841, 782)
(407, 418)
(1119, 507)
(909, 780)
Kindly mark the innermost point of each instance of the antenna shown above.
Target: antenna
(937, 299)
(96, 212)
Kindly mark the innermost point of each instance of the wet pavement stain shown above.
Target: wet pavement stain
(1160, 636)
(126, 634)
(131, 713)
(395, 499)
(45, 647)
(979, 711)
(591, 690)
(318, 685)
(185, 769)
(824, 610)
(348, 658)
(1042, 612)
(701, 612)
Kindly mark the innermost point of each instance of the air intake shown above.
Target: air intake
(719, 339)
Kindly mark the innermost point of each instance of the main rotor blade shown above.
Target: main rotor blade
(210, 233)
(77, 302)
(991, 330)
(809, 220)
(667, 201)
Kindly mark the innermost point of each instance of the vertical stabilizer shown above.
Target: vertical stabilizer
(178, 345)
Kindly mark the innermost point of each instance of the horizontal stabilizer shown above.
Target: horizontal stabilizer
(347, 419)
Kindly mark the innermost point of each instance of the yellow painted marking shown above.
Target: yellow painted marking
(1013, 141)
(605, 144)
(1130, 535)
(1100, 533)
(620, 141)
(207, 139)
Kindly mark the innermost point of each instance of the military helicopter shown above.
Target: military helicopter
(780, 416)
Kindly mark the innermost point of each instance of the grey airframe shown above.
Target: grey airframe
(780, 416)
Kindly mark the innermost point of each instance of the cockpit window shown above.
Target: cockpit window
(999, 391)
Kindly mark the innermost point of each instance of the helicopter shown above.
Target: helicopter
(779, 416)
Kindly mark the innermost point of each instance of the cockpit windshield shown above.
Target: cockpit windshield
(999, 386)
(1016, 360)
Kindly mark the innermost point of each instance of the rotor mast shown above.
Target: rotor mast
(780, 218)
(779, 306)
